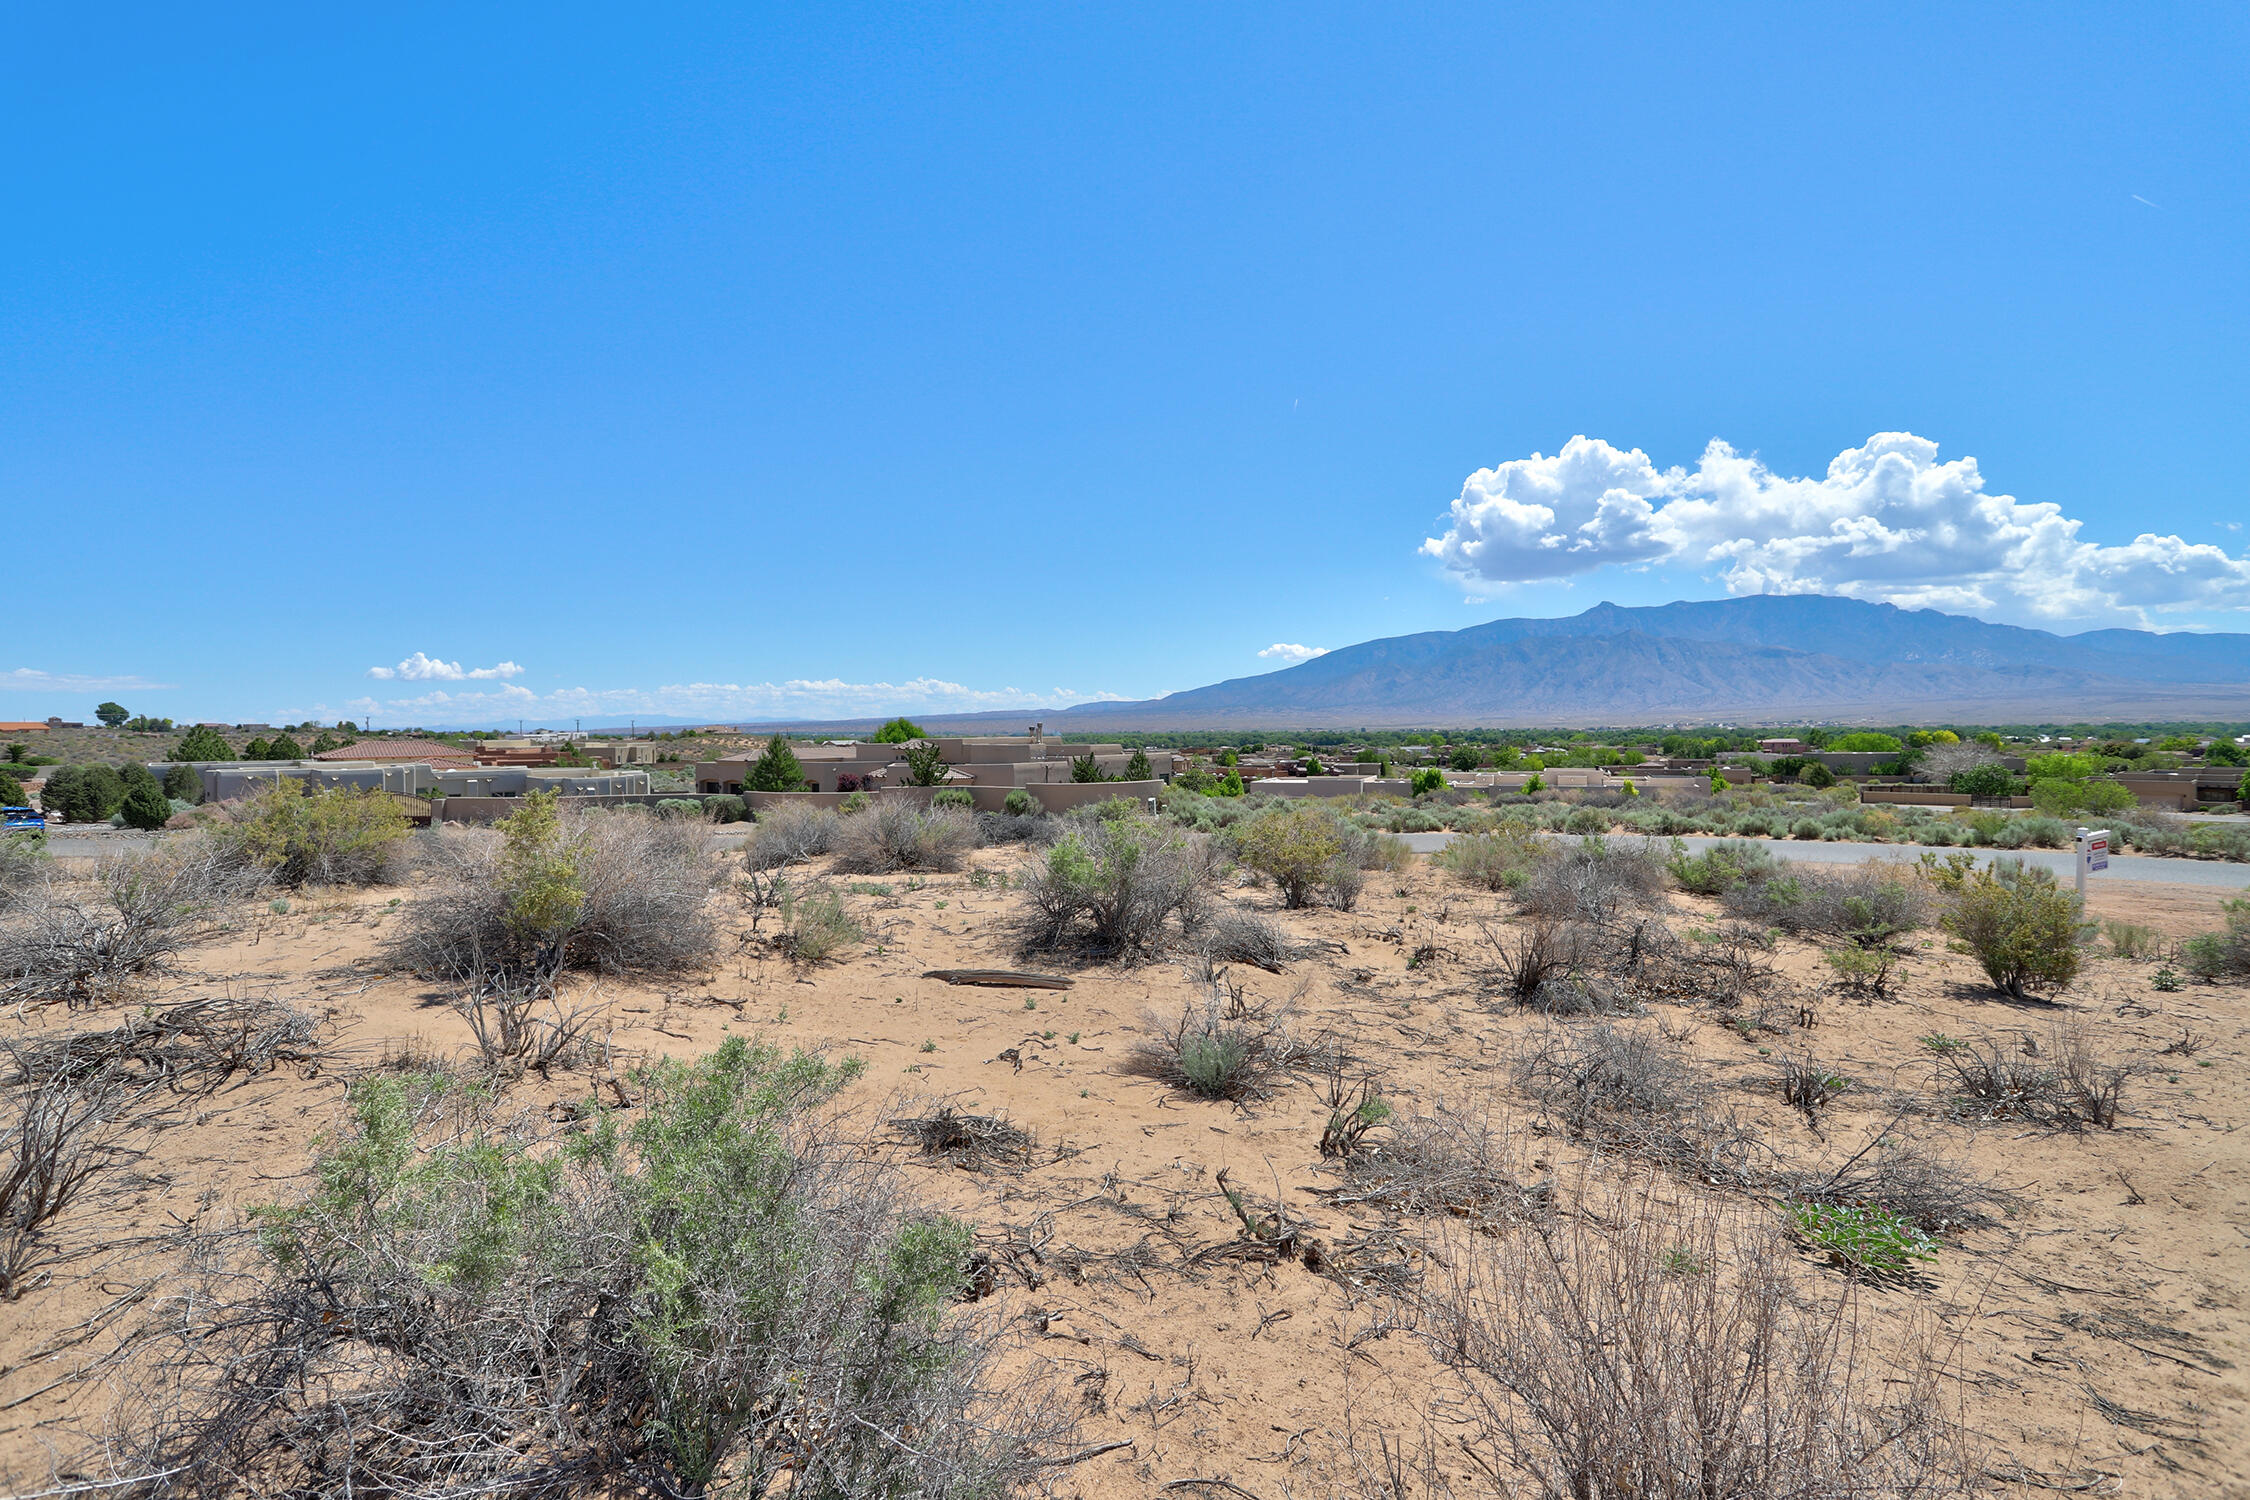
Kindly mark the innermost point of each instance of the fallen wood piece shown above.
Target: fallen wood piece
(1011, 979)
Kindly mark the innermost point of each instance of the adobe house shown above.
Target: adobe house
(977, 761)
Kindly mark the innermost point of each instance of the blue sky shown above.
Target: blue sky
(741, 362)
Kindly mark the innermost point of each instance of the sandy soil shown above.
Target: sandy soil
(2100, 1326)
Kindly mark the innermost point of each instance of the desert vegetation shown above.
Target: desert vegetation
(916, 1151)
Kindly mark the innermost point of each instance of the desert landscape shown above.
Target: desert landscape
(1456, 1178)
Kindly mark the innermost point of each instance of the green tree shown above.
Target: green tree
(925, 763)
(112, 714)
(145, 805)
(1864, 740)
(12, 793)
(1429, 779)
(777, 769)
(1138, 768)
(1463, 758)
(84, 794)
(900, 732)
(1815, 775)
(1083, 768)
(182, 783)
(2225, 753)
(325, 742)
(20, 754)
(256, 749)
(284, 748)
(202, 743)
(1230, 785)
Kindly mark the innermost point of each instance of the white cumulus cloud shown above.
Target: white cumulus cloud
(420, 668)
(1283, 651)
(1888, 522)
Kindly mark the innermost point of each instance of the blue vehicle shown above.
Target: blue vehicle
(22, 820)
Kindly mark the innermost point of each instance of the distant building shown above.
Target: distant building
(983, 760)
(1785, 745)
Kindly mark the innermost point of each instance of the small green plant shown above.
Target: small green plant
(1861, 1240)
(1074, 1039)
(1213, 1063)
(1940, 1043)
(2129, 939)
(1020, 804)
(952, 796)
(279, 906)
(2166, 979)
(1865, 970)
(869, 888)
(1031, 1002)
(1680, 1261)
(929, 1046)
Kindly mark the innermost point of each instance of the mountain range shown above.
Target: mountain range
(1769, 658)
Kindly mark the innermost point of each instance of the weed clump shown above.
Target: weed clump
(1224, 1046)
(897, 835)
(79, 942)
(790, 835)
(1501, 860)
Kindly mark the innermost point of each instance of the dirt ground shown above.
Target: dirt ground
(2098, 1327)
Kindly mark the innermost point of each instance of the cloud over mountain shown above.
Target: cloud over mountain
(1888, 523)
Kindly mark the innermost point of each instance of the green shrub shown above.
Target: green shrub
(1301, 849)
(12, 793)
(1805, 828)
(643, 1305)
(2224, 954)
(1862, 1240)
(2021, 928)
(1427, 780)
(952, 796)
(145, 806)
(1084, 769)
(1138, 768)
(1721, 867)
(1112, 888)
(1501, 860)
(1817, 775)
(1587, 820)
(895, 835)
(727, 809)
(679, 807)
(1020, 804)
(1989, 780)
(815, 926)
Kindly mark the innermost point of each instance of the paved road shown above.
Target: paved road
(2133, 867)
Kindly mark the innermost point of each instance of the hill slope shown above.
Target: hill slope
(1770, 657)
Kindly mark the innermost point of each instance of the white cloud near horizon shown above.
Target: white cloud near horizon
(32, 680)
(796, 698)
(420, 668)
(1293, 655)
(1888, 523)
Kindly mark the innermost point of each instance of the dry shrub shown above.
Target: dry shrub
(1810, 1085)
(1115, 888)
(2069, 1083)
(82, 941)
(897, 835)
(1501, 860)
(790, 835)
(1594, 881)
(1443, 1162)
(56, 1135)
(192, 1047)
(1225, 1045)
(1229, 934)
(23, 866)
(1624, 1089)
(971, 1142)
(1869, 906)
(613, 891)
(1662, 1350)
(725, 1295)
(522, 1025)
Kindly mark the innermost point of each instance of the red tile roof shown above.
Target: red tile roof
(430, 750)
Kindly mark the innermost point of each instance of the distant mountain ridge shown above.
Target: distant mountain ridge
(1767, 657)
